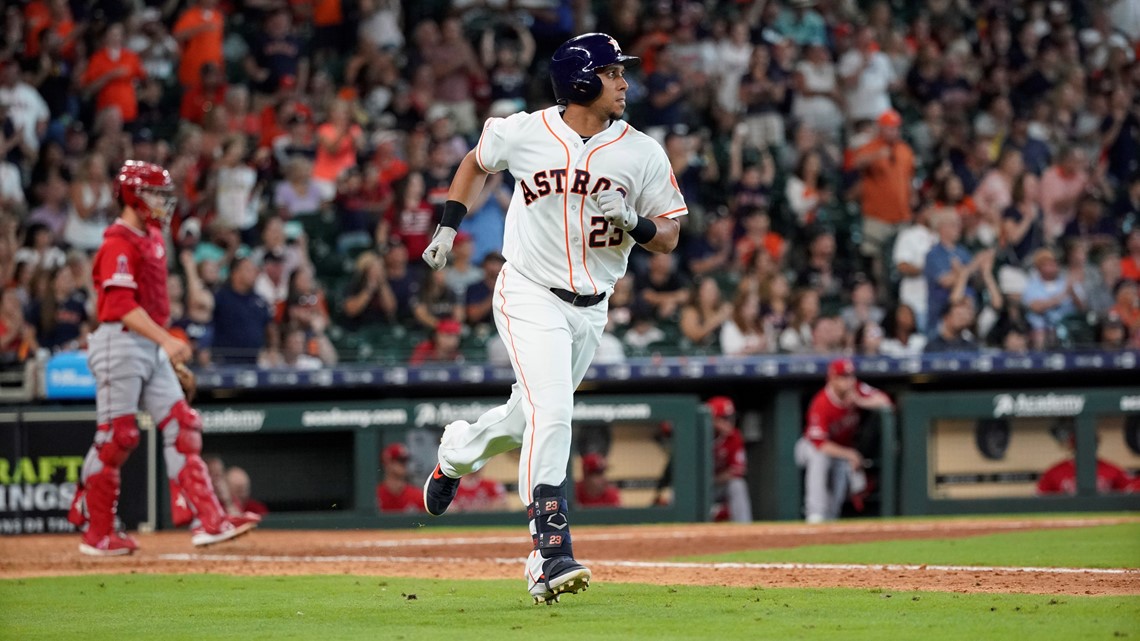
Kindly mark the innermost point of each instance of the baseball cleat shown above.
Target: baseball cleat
(232, 527)
(439, 491)
(114, 544)
(560, 575)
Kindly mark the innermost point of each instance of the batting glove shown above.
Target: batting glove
(613, 207)
(436, 253)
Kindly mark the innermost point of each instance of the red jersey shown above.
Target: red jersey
(424, 353)
(130, 271)
(1062, 479)
(728, 454)
(199, 101)
(829, 419)
(252, 505)
(610, 497)
(410, 499)
(483, 494)
(414, 225)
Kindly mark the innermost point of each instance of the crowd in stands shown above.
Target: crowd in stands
(862, 177)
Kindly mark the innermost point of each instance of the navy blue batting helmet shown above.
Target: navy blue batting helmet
(574, 66)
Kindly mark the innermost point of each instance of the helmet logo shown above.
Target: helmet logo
(614, 44)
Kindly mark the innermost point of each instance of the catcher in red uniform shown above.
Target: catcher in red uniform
(133, 358)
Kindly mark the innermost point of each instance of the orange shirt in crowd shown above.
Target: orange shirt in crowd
(37, 18)
(207, 27)
(329, 165)
(746, 248)
(1130, 268)
(118, 91)
(64, 29)
(327, 13)
(885, 192)
(39, 21)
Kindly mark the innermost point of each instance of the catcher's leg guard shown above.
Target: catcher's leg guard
(180, 512)
(192, 482)
(551, 569)
(114, 443)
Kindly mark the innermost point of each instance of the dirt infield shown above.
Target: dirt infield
(638, 554)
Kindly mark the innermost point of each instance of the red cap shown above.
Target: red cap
(721, 407)
(396, 452)
(890, 118)
(593, 463)
(841, 367)
(449, 326)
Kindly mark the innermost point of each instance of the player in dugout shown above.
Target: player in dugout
(833, 466)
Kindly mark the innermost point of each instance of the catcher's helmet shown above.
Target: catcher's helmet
(721, 407)
(146, 188)
(574, 66)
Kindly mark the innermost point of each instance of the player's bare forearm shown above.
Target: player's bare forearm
(140, 322)
(668, 233)
(835, 450)
(468, 181)
(875, 401)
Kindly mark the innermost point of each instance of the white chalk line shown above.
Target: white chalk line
(650, 565)
(733, 531)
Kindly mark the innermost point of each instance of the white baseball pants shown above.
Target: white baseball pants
(551, 344)
(825, 481)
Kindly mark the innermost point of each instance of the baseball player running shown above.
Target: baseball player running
(133, 359)
(587, 187)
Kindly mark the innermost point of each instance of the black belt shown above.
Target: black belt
(578, 300)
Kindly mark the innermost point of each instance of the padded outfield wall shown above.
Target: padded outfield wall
(972, 434)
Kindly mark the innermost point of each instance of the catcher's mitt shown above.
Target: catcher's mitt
(187, 380)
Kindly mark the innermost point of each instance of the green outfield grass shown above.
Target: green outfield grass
(1106, 546)
(201, 607)
(204, 607)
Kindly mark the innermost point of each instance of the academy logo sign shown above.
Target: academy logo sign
(337, 417)
(612, 412)
(231, 420)
(1038, 405)
(440, 414)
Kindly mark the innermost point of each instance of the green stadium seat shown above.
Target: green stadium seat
(319, 225)
(1075, 331)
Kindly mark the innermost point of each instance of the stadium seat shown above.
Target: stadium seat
(1075, 331)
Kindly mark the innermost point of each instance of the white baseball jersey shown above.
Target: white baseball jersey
(555, 232)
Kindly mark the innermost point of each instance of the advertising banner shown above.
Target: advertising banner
(66, 376)
(41, 454)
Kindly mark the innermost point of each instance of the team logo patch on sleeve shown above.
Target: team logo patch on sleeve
(122, 276)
